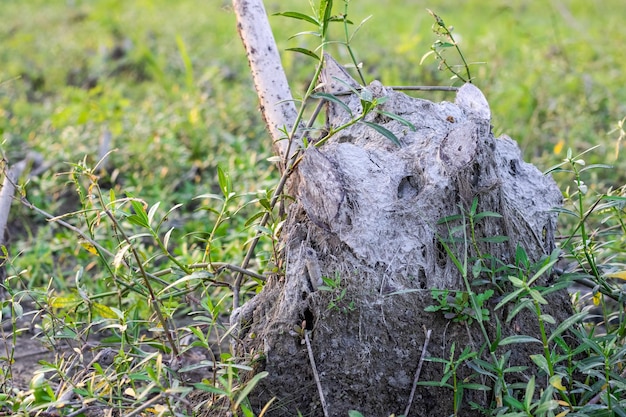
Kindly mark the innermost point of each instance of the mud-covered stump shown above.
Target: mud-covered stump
(367, 214)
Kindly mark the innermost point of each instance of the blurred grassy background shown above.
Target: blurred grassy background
(169, 82)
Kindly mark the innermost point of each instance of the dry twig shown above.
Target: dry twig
(417, 373)
(315, 374)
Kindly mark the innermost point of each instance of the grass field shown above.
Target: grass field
(168, 83)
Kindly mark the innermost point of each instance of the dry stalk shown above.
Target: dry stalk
(315, 374)
(417, 373)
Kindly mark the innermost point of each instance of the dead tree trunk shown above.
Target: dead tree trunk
(367, 214)
(270, 81)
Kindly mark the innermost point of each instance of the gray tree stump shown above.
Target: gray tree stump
(367, 211)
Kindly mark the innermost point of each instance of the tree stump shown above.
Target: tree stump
(367, 215)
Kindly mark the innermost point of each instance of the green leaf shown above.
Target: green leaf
(613, 198)
(508, 298)
(494, 239)
(354, 413)
(449, 219)
(461, 267)
(524, 303)
(474, 207)
(519, 339)
(200, 275)
(441, 44)
(516, 281)
(475, 386)
(398, 118)
(152, 211)
(567, 323)
(210, 388)
(541, 362)
(305, 52)
(547, 318)
(562, 210)
(479, 368)
(246, 411)
(515, 369)
(104, 311)
(326, 8)
(265, 202)
(514, 403)
(347, 85)
(224, 181)
(367, 106)
(306, 32)
(250, 386)
(299, 16)
(530, 390)
(254, 218)
(386, 133)
(434, 384)
(521, 258)
(366, 95)
(426, 55)
(139, 218)
(210, 196)
(477, 268)
(546, 406)
(166, 238)
(482, 297)
(487, 214)
(380, 100)
(334, 99)
(466, 354)
(543, 269)
(596, 166)
(536, 295)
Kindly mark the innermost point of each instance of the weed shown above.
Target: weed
(450, 376)
(457, 308)
(562, 362)
(338, 294)
(445, 31)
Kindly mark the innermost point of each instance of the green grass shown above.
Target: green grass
(170, 83)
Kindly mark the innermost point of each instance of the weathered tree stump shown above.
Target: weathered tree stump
(367, 212)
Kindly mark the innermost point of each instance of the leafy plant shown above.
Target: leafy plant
(457, 308)
(593, 355)
(338, 293)
(450, 376)
(439, 46)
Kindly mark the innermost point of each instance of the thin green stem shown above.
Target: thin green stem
(167, 253)
(216, 224)
(348, 47)
(582, 226)
(334, 131)
(154, 302)
(472, 296)
(544, 338)
(607, 378)
(455, 389)
(300, 115)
